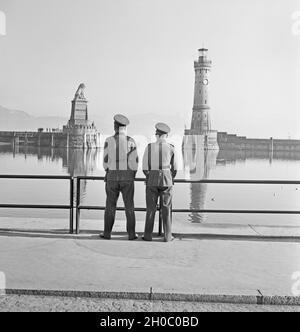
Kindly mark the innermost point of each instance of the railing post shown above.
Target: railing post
(71, 205)
(160, 225)
(78, 205)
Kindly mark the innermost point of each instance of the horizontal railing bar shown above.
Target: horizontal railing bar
(236, 211)
(37, 177)
(102, 208)
(21, 206)
(100, 178)
(240, 182)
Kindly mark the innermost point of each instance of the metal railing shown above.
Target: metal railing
(79, 207)
(69, 207)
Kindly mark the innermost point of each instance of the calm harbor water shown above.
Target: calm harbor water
(195, 165)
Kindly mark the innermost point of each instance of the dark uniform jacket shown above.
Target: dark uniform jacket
(160, 164)
(120, 159)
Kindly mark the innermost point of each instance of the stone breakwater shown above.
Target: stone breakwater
(81, 138)
(233, 142)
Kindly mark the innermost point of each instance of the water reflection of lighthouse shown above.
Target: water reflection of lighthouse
(198, 163)
(200, 144)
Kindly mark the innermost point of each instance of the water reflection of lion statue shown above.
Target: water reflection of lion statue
(80, 92)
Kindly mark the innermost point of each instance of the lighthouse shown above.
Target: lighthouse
(201, 119)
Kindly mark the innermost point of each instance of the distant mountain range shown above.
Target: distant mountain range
(141, 124)
(12, 120)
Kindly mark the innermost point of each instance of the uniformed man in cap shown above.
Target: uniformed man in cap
(160, 168)
(120, 162)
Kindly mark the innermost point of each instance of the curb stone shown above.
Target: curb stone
(170, 297)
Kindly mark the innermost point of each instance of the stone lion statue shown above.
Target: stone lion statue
(80, 92)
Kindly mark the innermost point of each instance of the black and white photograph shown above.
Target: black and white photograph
(149, 159)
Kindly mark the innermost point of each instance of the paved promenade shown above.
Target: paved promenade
(222, 260)
(62, 304)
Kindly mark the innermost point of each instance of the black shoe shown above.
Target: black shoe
(133, 238)
(146, 239)
(102, 236)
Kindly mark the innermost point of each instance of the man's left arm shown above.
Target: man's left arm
(133, 160)
(105, 156)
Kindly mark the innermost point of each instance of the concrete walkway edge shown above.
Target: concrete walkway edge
(152, 296)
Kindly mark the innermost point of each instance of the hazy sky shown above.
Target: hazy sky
(136, 57)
